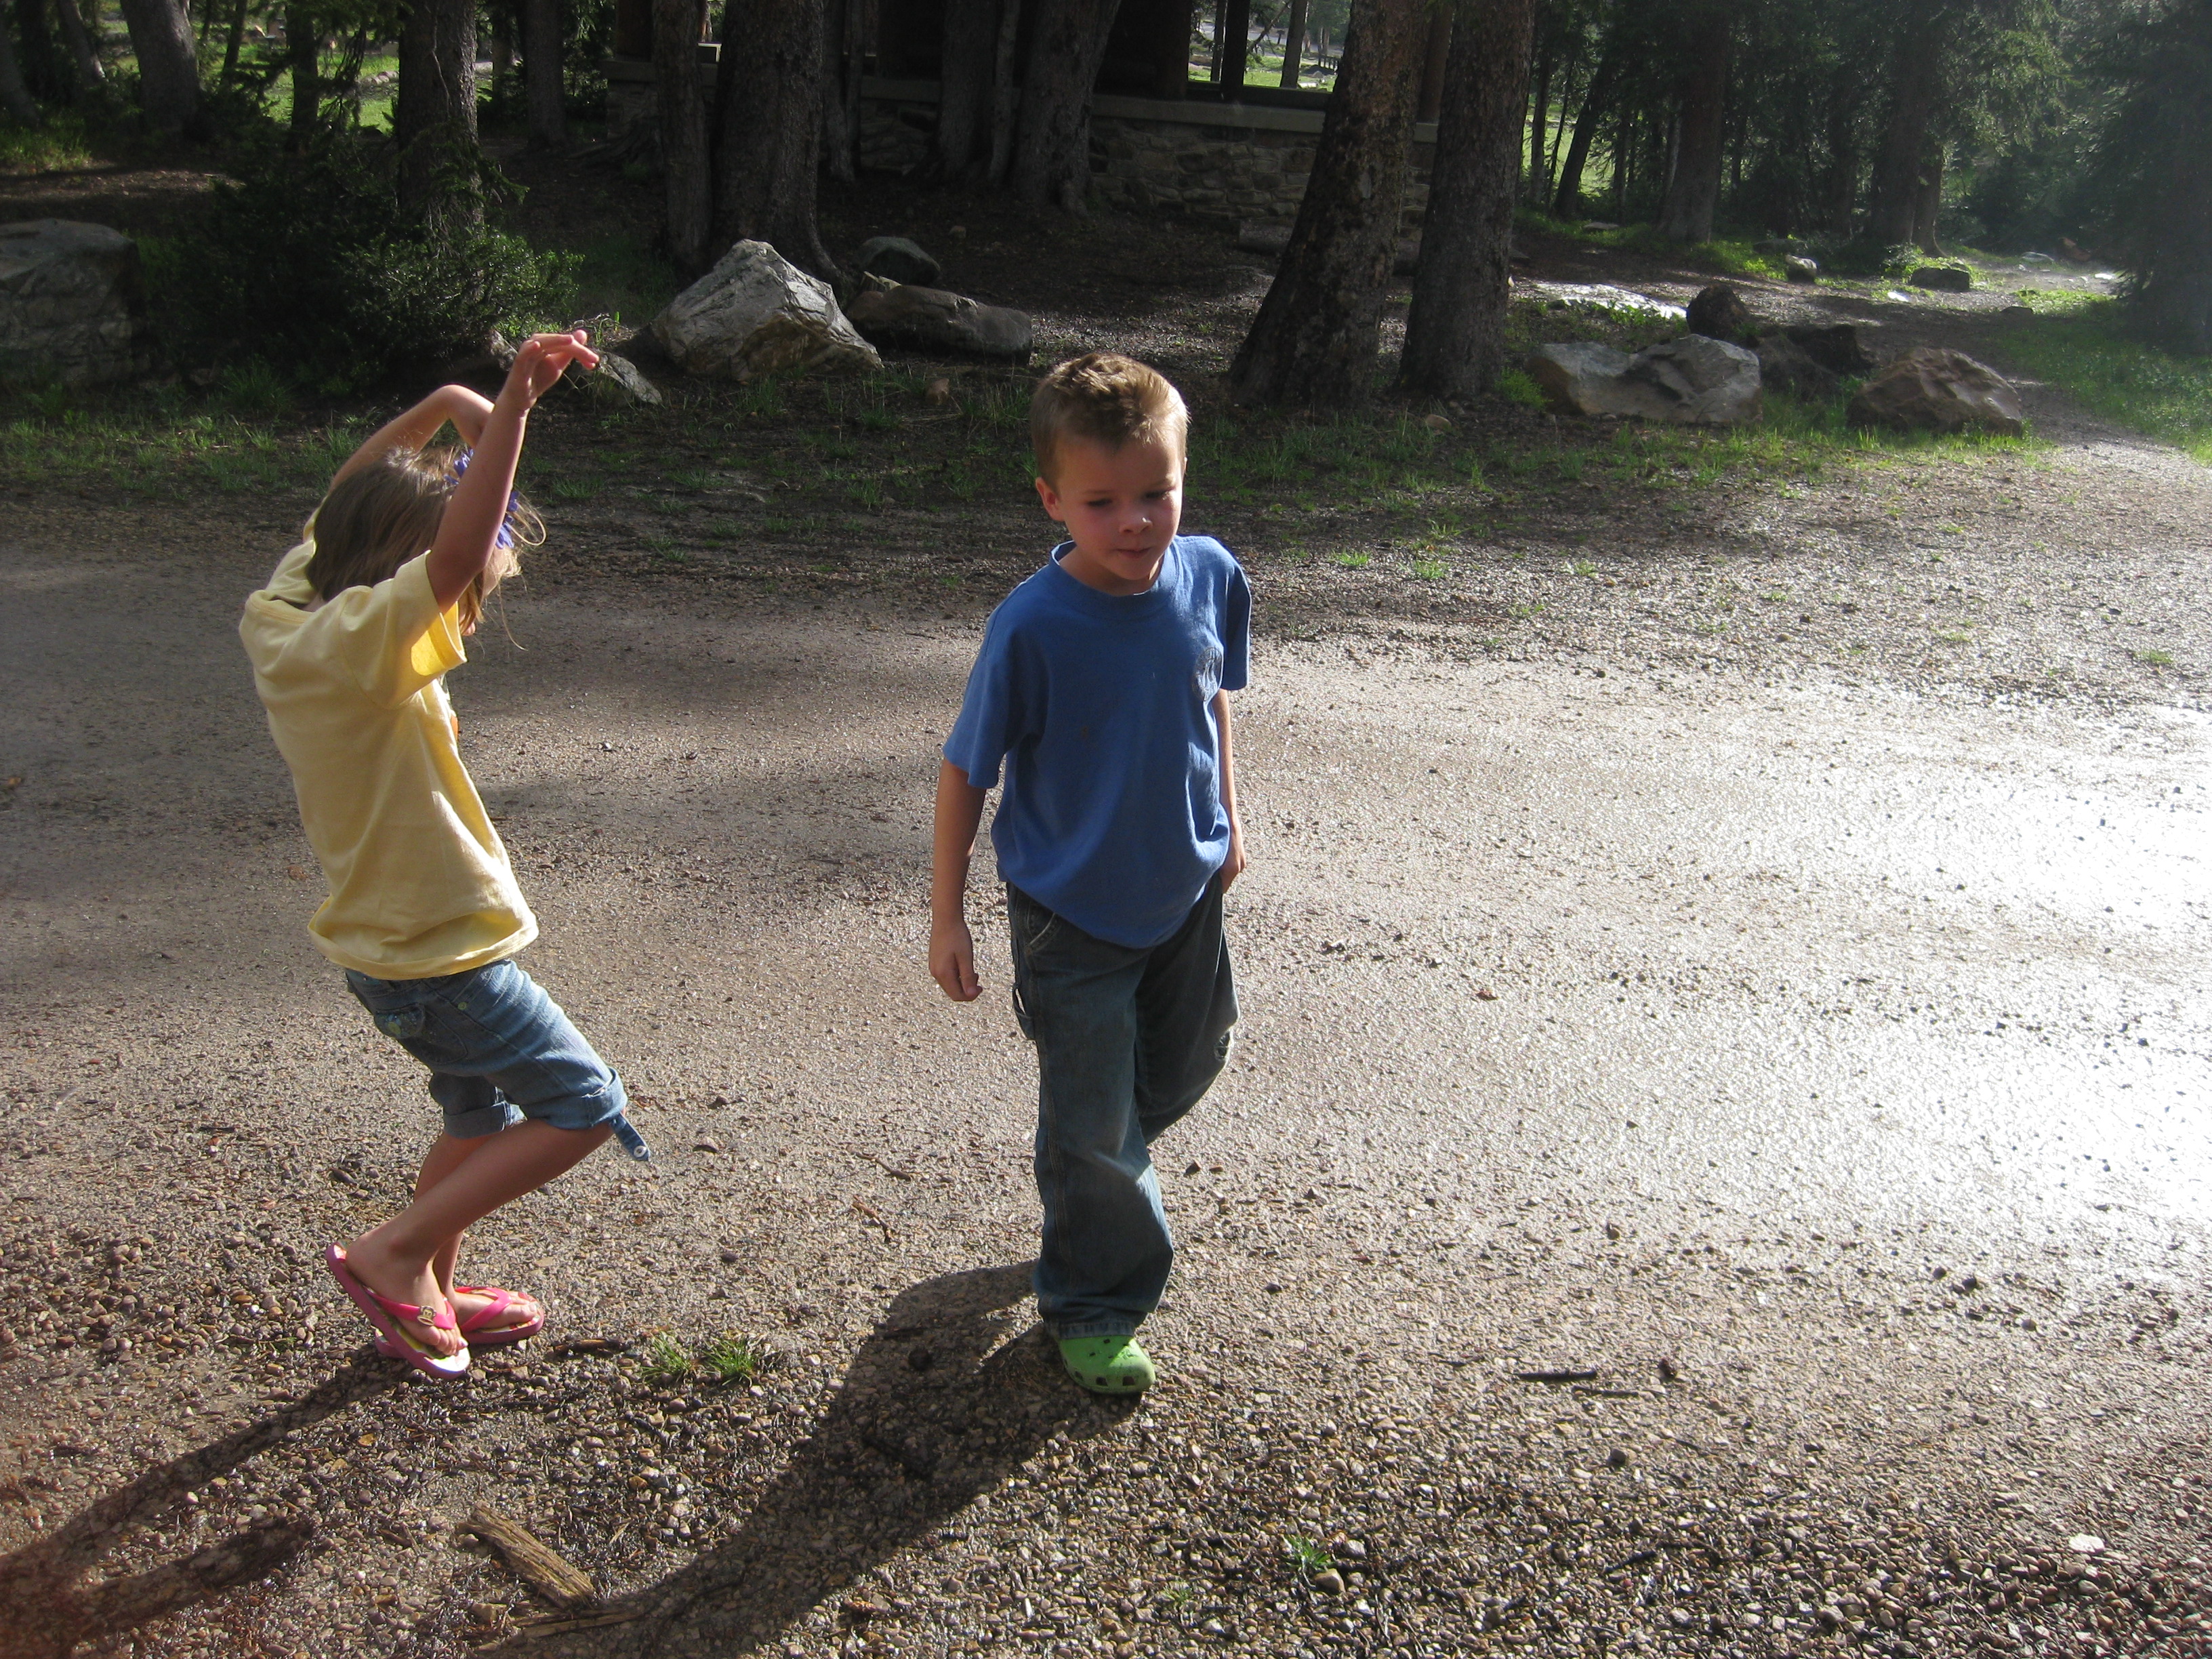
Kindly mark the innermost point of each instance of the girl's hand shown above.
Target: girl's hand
(541, 361)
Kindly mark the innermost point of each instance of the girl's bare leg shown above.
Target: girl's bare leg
(410, 1257)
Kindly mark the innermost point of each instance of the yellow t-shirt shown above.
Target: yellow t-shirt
(419, 884)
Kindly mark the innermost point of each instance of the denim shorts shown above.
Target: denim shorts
(499, 1050)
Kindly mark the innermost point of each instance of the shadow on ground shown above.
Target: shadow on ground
(942, 1403)
(47, 1609)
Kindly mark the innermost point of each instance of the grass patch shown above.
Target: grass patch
(64, 141)
(1721, 257)
(734, 1360)
(666, 1361)
(2088, 353)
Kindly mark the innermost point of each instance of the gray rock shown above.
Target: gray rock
(1799, 269)
(1946, 279)
(1718, 312)
(1933, 389)
(1835, 346)
(616, 383)
(899, 260)
(755, 313)
(931, 319)
(72, 304)
(1693, 381)
(1786, 366)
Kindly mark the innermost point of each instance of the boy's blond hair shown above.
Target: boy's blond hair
(378, 517)
(1109, 399)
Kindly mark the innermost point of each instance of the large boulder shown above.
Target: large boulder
(615, 384)
(1943, 279)
(755, 313)
(1799, 269)
(929, 319)
(1786, 366)
(1835, 346)
(1692, 381)
(72, 305)
(1933, 389)
(898, 260)
(1718, 312)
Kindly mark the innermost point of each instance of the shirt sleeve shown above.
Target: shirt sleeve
(1235, 630)
(990, 713)
(393, 640)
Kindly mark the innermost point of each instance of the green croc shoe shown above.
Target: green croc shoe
(1108, 1365)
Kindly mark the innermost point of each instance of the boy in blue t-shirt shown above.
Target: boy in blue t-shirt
(1101, 694)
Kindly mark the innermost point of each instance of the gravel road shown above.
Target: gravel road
(1716, 1162)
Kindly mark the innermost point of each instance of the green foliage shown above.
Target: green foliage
(1517, 385)
(734, 1359)
(1865, 258)
(306, 261)
(63, 141)
(666, 1361)
(2091, 353)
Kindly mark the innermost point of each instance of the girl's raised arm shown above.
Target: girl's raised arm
(466, 410)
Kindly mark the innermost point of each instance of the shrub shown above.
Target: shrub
(307, 262)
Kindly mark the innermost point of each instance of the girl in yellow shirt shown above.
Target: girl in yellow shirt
(350, 642)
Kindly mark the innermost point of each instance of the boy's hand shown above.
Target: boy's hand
(541, 360)
(952, 960)
(1233, 865)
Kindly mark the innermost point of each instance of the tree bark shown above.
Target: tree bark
(682, 111)
(1236, 28)
(16, 97)
(433, 118)
(768, 130)
(844, 61)
(547, 99)
(1456, 332)
(1539, 116)
(1928, 201)
(1319, 330)
(232, 41)
(90, 69)
(168, 67)
(44, 69)
(1693, 187)
(303, 57)
(1052, 153)
(1005, 94)
(1294, 43)
(1915, 80)
(963, 85)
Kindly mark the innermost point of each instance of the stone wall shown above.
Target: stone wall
(1148, 156)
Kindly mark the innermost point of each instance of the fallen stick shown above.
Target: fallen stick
(567, 1586)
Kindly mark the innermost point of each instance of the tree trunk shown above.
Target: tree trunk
(688, 175)
(168, 67)
(963, 85)
(1693, 187)
(1315, 338)
(1557, 126)
(1456, 332)
(1051, 155)
(768, 117)
(1566, 200)
(233, 41)
(90, 69)
(44, 69)
(1294, 43)
(1005, 94)
(1624, 160)
(1236, 28)
(1928, 201)
(16, 97)
(846, 60)
(303, 58)
(544, 95)
(1916, 79)
(433, 118)
(1539, 116)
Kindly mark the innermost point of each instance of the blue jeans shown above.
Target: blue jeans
(1126, 1042)
(499, 1050)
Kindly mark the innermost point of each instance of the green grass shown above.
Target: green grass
(734, 1360)
(64, 141)
(2088, 353)
(666, 1361)
(2156, 659)
(1308, 1558)
(1721, 257)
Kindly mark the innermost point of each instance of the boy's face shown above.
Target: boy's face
(1121, 507)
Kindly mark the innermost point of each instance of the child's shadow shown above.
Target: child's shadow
(939, 1407)
(47, 1607)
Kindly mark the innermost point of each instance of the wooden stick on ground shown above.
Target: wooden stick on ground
(567, 1586)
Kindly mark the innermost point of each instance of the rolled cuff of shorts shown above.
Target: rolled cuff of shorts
(1080, 1328)
(600, 1107)
(475, 1122)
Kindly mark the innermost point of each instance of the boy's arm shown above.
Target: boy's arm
(951, 946)
(470, 530)
(1233, 865)
(466, 410)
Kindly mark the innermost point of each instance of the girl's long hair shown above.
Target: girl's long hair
(376, 519)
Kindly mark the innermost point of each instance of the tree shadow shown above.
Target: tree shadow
(937, 1408)
(47, 1609)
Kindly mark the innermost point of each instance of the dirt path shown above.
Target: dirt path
(1821, 1065)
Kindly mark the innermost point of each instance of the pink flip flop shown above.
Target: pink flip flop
(473, 1326)
(393, 1339)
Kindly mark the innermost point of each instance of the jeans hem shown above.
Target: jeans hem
(1091, 1328)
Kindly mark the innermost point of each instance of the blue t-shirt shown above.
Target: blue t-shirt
(1100, 708)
